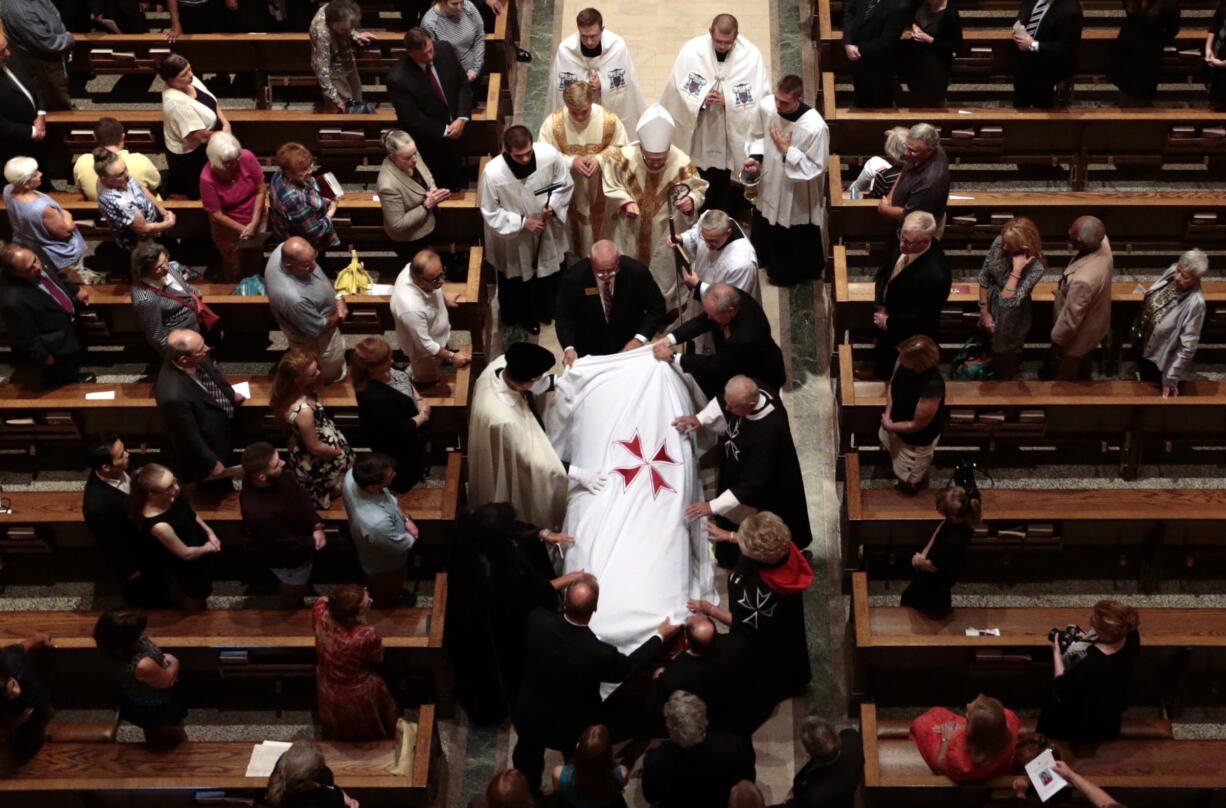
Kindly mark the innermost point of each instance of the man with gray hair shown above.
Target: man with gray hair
(720, 253)
(832, 773)
(694, 767)
(1168, 331)
(924, 181)
(306, 305)
(1082, 310)
(911, 286)
(423, 325)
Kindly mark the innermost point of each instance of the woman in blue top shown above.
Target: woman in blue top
(38, 221)
(591, 779)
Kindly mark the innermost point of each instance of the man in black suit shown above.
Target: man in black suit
(831, 776)
(871, 31)
(1047, 34)
(433, 101)
(911, 287)
(197, 403)
(23, 121)
(607, 303)
(560, 695)
(105, 507)
(743, 342)
(714, 667)
(695, 766)
(39, 308)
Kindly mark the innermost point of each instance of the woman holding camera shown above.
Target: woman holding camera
(936, 568)
(1090, 690)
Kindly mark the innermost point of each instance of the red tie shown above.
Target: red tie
(438, 88)
(44, 280)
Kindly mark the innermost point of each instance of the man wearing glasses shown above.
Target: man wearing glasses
(924, 181)
(423, 325)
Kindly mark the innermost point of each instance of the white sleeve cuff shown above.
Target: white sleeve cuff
(641, 338)
(672, 339)
(725, 503)
(569, 348)
(712, 416)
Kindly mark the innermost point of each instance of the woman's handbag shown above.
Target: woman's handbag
(209, 319)
(973, 363)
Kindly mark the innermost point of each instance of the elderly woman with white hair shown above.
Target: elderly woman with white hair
(233, 193)
(1167, 331)
(877, 177)
(407, 195)
(38, 221)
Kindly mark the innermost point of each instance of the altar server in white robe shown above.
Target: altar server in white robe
(584, 133)
(721, 253)
(510, 459)
(599, 57)
(713, 94)
(789, 146)
(525, 195)
(638, 180)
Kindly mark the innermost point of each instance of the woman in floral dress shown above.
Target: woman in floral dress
(354, 702)
(319, 454)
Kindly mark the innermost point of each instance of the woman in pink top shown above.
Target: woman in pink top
(233, 193)
(967, 750)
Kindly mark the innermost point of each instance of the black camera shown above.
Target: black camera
(964, 477)
(1065, 636)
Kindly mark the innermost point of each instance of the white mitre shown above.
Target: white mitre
(655, 129)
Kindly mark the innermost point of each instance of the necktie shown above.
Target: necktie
(903, 262)
(53, 289)
(1036, 16)
(213, 389)
(606, 297)
(438, 88)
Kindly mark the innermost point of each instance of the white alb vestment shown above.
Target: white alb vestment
(509, 457)
(619, 83)
(613, 415)
(790, 192)
(596, 137)
(507, 201)
(423, 326)
(715, 137)
(735, 264)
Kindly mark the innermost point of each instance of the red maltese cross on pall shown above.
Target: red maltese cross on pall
(635, 447)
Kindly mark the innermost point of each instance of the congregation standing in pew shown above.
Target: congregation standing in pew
(1167, 331)
(1149, 26)
(607, 303)
(647, 184)
(234, 195)
(40, 312)
(928, 49)
(1082, 311)
(109, 134)
(596, 56)
(354, 702)
(879, 173)
(306, 306)
(758, 467)
(296, 203)
(423, 324)
(198, 406)
(147, 678)
(1010, 270)
(391, 411)
(301, 779)
(25, 704)
(459, 23)
(871, 38)
(105, 510)
(408, 196)
(37, 220)
(789, 148)
(191, 115)
(319, 452)
(914, 412)
(525, 202)
(909, 289)
(968, 749)
(283, 530)
(585, 133)
(720, 252)
(923, 183)
(382, 532)
(938, 565)
(1047, 34)
(176, 542)
(131, 210)
(38, 39)
(163, 298)
(433, 99)
(697, 765)
(23, 121)
(713, 93)
(334, 36)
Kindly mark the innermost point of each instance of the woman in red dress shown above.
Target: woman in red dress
(966, 750)
(354, 702)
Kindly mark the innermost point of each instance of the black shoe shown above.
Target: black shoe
(86, 378)
(522, 55)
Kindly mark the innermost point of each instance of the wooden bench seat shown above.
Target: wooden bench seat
(87, 768)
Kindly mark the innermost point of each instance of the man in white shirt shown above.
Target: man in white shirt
(423, 326)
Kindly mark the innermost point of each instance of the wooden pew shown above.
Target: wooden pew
(1153, 219)
(1125, 413)
(75, 773)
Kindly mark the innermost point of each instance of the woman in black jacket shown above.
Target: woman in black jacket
(935, 36)
(389, 410)
(1148, 27)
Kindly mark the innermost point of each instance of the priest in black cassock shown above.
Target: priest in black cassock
(759, 470)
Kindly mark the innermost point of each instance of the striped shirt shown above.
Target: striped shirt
(464, 32)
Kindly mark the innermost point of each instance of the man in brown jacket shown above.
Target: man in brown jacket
(1083, 301)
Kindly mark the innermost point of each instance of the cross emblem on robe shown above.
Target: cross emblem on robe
(628, 473)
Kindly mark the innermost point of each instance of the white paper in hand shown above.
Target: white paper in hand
(264, 757)
(243, 389)
(1044, 778)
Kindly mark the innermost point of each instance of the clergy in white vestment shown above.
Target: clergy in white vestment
(510, 458)
(525, 195)
(720, 253)
(596, 55)
(638, 181)
(789, 147)
(713, 94)
(584, 133)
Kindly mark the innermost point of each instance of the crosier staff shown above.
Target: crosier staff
(676, 192)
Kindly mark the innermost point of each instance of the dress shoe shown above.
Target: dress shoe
(522, 55)
(86, 378)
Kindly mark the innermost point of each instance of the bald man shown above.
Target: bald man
(566, 663)
(198, 405)
(607, 303)
(714, 667)
(1082, 308)
(39, 307)
(306, 305)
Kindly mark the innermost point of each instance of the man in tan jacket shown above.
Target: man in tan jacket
(1083, 301)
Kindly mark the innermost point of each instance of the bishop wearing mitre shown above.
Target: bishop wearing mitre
(599, 57)
(713, 93)
(584, 133)
(639, 180)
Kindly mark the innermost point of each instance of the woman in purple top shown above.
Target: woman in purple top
(233, 192)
